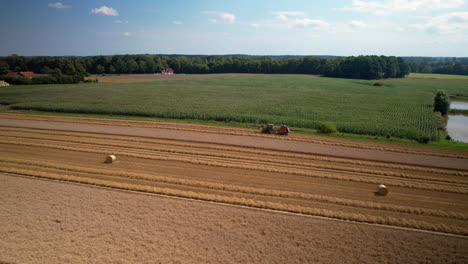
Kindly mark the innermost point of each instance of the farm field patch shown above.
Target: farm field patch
(131, 78)
(399, 108)
(437, 76)
(116, 226)
(265, 196)
(423, 198)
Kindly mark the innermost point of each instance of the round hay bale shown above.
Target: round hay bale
(110, 159)
(382, 190)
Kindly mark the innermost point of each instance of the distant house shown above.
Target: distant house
(4, 84)
(19, 74)
(167, 71)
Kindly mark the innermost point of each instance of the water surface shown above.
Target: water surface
(457, 127)
(459, 105)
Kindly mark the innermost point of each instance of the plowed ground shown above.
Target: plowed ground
(421, 197)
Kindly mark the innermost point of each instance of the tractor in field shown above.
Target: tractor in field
(270, 129)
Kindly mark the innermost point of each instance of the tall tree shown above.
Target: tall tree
(4, 68)
(441, 102)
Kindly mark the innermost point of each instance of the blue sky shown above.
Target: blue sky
(258, 27)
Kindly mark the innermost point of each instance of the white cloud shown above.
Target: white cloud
(450, 23)
(177, 22)
(358, 24)
(306, 22)
(388, 6)
(59, 5)
(104, 10)
(126, 34)
(224, 17)
(290, 20)
(121, 21)
(285, 15)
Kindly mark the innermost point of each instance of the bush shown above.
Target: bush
(328, 127)
(51, 79)
(91, 81)
(424, 139)
(16, 80)
(441, 103)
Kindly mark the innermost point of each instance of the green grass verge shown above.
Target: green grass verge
(459, 111)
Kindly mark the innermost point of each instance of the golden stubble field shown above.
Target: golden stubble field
(422, 197)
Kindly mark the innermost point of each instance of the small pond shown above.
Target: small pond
(457, 125)
(459, 105)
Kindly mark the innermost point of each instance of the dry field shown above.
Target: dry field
(258, 171)
(129, 78)
(51, 222)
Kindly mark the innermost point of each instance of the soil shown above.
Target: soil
(251, 139)
(52, 222)
(207, 177)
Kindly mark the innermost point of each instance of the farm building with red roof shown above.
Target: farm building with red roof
(18, 74)
(167, 71)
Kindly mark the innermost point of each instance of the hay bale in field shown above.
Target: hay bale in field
(4, 84)
(110, 159)
(382, 190)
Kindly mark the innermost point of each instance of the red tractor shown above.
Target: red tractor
(270, 129)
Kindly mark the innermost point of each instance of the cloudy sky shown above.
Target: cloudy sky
(258, 27)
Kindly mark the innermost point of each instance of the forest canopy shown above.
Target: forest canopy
(360, 67)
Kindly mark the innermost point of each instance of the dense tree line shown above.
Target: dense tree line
(366, 67)
(441, 65)
(54, 78)
(361, 67)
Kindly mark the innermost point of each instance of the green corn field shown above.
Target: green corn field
(400, 108)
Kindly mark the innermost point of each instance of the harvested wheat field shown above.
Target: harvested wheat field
(286, 183)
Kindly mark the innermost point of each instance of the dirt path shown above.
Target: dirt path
(67, 223)
(248, 141)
